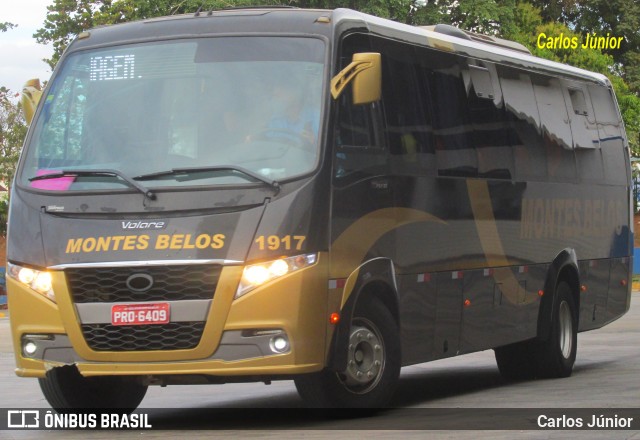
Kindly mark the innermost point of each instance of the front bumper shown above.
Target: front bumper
(234, 341)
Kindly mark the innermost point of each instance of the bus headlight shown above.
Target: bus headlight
(38, 280)
(256, 275)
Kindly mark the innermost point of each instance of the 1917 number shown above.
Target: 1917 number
(273, 242)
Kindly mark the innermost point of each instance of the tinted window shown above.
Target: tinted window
(610, 135)
(455, 153)
(488, 122)
(406, 97)
(556, 131)
(524, 125)
(358, 150)
(585, 133)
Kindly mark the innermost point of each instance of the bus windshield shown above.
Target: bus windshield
(210, 105)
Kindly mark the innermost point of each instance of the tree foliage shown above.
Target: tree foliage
(5, 26)
(12, 132)
(529, 23)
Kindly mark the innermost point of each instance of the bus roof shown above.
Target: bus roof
(262, 20)
(476, 49)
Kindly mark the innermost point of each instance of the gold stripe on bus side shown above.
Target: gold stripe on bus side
(491, 243)
(350, 248)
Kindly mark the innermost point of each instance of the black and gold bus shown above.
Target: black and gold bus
(323, 196)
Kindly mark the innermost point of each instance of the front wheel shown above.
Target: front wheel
(373, 364)
(65, 388)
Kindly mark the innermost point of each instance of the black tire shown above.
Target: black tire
(553, 357)
(65, 388)
(517, 361)
(558, 354)
(349, 389)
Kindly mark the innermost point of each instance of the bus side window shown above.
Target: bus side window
(488, 121)
(556, 130)
(455, 151)
(610, 135)
(523, 124)
(358, 147)
(585, 133)
(405, 97)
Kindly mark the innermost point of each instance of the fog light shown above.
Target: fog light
(30, 348)
(279, 344)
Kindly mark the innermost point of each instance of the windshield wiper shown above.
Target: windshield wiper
(176, 171)
(88, 172)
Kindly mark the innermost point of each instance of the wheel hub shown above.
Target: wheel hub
(566, 330)
(365, 359)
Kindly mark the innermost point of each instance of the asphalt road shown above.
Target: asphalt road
(606, 375)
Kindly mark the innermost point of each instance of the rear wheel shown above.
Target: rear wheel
(558, 354)
(553, 357)
(373, 364)
(65, 388)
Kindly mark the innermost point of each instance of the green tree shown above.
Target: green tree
(13, 129)
(620, 18)
(12, 132)
(5, 26)
(590, 59)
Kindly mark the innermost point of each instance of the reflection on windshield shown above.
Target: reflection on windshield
(141, 109)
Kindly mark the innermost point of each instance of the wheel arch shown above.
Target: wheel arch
(374, 279)
(563, 268)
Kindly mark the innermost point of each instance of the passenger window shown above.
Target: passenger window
(583, 121)
(488, 123)
(556, 130)
(406, 97)
(355, 125)
(455, 152)
(610, 135)
(585, 133)
(523, 125)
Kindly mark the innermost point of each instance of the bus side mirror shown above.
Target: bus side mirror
(365, 71)
(31, 93)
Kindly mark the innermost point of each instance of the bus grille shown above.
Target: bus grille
(172, 336)
(170, 283)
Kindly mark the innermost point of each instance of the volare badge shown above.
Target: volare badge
(139, 224)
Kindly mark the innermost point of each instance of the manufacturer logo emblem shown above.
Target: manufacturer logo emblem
(143, 225)
(140, 282)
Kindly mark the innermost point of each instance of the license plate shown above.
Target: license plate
(140, 314)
